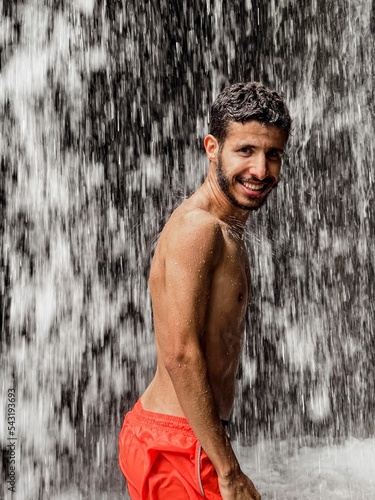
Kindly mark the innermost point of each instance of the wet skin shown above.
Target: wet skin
(199, 284)
(248, 166)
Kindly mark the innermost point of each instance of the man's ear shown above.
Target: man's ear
(212, 147)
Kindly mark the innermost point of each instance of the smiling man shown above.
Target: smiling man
(174, 442)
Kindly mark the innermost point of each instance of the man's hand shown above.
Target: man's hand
(238, 487)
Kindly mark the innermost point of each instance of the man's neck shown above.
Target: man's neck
(219, 205)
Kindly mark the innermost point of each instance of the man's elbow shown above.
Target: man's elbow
(182, 359)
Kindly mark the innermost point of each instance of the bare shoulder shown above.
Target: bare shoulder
(195, 224)
(193, 231)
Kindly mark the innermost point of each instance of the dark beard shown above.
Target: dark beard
(223, 182)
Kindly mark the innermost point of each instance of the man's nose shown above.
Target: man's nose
(258, 167)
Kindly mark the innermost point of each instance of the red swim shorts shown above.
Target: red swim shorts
(162, 459)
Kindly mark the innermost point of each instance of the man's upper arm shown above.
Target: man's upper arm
(191, 254)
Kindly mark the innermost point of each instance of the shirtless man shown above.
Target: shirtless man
(173, 444)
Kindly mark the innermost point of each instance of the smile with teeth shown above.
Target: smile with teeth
(253, 187)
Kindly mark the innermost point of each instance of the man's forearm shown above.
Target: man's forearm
(191, 382)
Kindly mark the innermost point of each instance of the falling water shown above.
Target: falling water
(103, 108)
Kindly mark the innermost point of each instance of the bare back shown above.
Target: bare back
(199, 289)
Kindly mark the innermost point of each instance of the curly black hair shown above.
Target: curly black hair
(243, 102)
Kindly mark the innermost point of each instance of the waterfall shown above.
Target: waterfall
(103, 107)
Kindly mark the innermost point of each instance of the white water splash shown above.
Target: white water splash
(286, 471)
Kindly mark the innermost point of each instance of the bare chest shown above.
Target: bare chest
(230, 285)
(225, 322)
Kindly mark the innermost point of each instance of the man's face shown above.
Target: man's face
(248, 164)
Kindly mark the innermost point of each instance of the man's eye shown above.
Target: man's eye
(274, 155)
(245, 150)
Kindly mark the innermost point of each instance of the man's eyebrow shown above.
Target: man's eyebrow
(246, 145)
(249, 145)
(279, 150)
